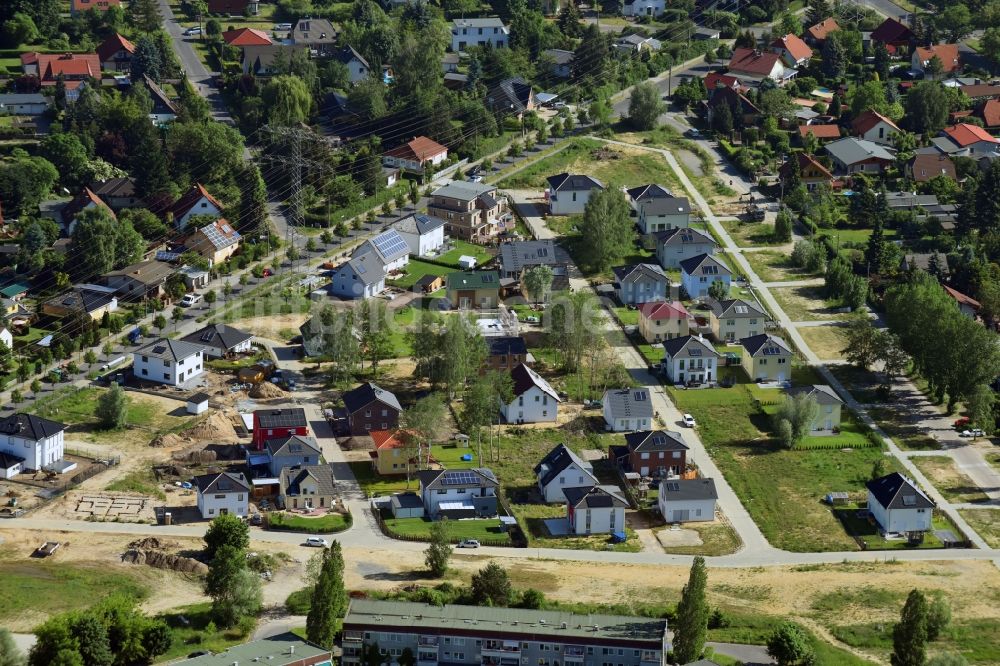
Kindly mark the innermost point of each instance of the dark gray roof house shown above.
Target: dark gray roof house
(687, 346)
(220, 337)
(513, 95)
(367, 393)
(654, 441)
(477, 477)
(291, 479)
(628, 403)
(169, 350)
(681, 237)
(555, 463)
(736, 308)
(648, 193)
(755, 343)
(704, 264)
(295, 445)
(515, 256)
(29, 426)
(418, 223)
(689, 489)
(924, 262)
(823, 394)
(573, 182)
(507, 345)
(223, 482)
(639, 272)
(595, 497)
(895, 491)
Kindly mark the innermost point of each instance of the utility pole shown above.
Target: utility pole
(670, 74)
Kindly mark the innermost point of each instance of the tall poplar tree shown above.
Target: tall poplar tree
(329, 598)
(692, 615)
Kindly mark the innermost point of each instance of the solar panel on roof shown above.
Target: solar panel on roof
(207, 336)
(741, 309)
(639, 396)
(772, 351)
(389, 244)
(159, 349)
(459, 478)
(361, 269)
(710, 270)
(694, 352)
(674, 486)
(488, 278)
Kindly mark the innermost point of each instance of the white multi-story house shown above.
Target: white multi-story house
(595, 510)
(675, 245)
(222, 493)
(562, 469)
(196, 201)
(458, 493)
(898, 505)
(389, 247)
(687, 500)
(424, 234)
(28, 442)
(627, 409)
(534, 401)
(361, 277)
(690, 359)
(569, 193)
(643, 7)
(700, 272)
(358, 68)
(640, 283)
(170, 362)
(468, 32)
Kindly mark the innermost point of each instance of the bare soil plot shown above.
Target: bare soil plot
(827, 342)
(806, 303)
(950, 482)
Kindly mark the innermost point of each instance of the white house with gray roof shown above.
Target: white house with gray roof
(223, 493)
(828, 417)
(675, 245)
(568, 193)
(291, 451)
(170, 362)
(424, 234)
(560, 469)
(687, 500)
(534, 400)
(358, 68)
(458, 493)
(898, 505)
(852, 155)
(307, 487)
(657, 209)
(390, 248)
(595, 510)
(643, 7)
(627, 409)
(700, 272)
(468, 32)
(640, 283)
(690, 358)
(361, 277)
(221, 340)
(29, 442)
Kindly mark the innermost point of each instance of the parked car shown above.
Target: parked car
(317, 542)
(689, 421)
(189, 300)
(975, 432)
(693, 133)
(468, 543)
(283, 26)
(192, 31)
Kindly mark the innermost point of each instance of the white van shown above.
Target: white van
(189, 300)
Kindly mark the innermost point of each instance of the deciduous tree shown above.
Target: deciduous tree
(438, 552)
(645, 107)
(909, 636)
(607, 227)
(491, 586)
(790, 646)
(112, 408)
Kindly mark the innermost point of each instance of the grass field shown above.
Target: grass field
(138, 481)
(774, 266)
(374, 485)
(718, 538)
(949, 480)
(867, 529)
(415, 270)
(806, 303)
(986, 522)
(462, 247)
(907, 435)
(192, 629)
(328, 524)
(976, 640)
(750, 234)
(487, 529)
(827, 342)
(630, 167)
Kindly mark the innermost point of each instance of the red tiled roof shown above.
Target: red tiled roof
(820, 131)
(29, 58)
(822, 29)
(82, 200)
(961, 298)
(981, 90)
(420, 149)
(806, 161)
(190, 198)
(869, 119)
(99, 5)
(891, 31)
(989, 111)
(947, 53)
(965, 135)
(246, 37)
(714, 79)
(752, 61)
(798, 49)
(387, 439)
(112, 45)
(51, 65)
(659, 310)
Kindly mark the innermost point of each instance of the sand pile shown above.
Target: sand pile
(161, 560)
(266, 391)
(151, 543)
(216, 428)
(167, 441)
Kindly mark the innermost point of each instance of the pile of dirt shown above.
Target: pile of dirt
(266, 391)
(161, 560)
(151, 543)
(167, 441)
(216, 428)
(196, 455)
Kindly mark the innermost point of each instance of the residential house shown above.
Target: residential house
(506, 352)
(651, 453)
(258, 59)
(118, 193)
(16, 291)
(534, 400)
(656, 209)
(307, 487)
(595, 510)
(766, 357)
(291, 451)
(873, 126)
(471, 211)
(893, 34)
(521, 634)
(6, 337)
(929, 262)
(561, 469)
(947, 54)
(278, 424)
(568, 194)
(822, 133)
(234, 7)
(817, 34)
(29, 442)
(738, 103)
(898, 505)
(215, 242)
(469, 32)
(640, 283)
(318, 35)
(23, 104)
(972, 141)
(978, 91)
(73, 68)
(450, 63)
(197, 278)
(473, 289)
(700, 272)
(85, 200)
(851, 155)
(416, 155)
(714, 80)
(115, 53)
(221, 340)
(223, 493)
(170, 362)
(702, 33)
(513, 97)
(392, 453)
(390, 248)
(370, 407)
(77, 7)
(518, 256)
(751, 66)
(458, 493)
(424, 234)
(627, 409)
(924, 166)
(827, 419)
(246, 37)
(196, 201)
(560, 62)
(676, 245)
(690, 359)
(989, 112)
(83, 299)
(360, 277)
(636, 45)
(735, 319)
(358, 68)
(967, 305)
(644, 7)
(281, 650)
(140, 281)
(812, 173)
(659, 321)
(793, 51)
(687, 500)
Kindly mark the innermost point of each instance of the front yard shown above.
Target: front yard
(289, 522)
(487, 529)
(867, 529)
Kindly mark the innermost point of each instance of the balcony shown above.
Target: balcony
(353, 636)
(427, 660)
(500, 661)
(650, 657)
(428, 641)
(501, 648)
(573, 653)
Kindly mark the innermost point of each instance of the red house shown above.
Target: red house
(278, 423)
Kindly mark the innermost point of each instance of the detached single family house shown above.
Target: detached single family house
(676, 245)
(690, 359)
(561, 469)
(291, 451)
(595, 510)
(751, 66)
(651, 453)
(271, 424)
(362, 276)
(196, 201)
(812, 173)
(473, 289)
(898, 505)
(392, 453)
(828, 417)
(947, 54)
(643, 7)
(170, 362)
(307, 487)
(640, 283)
(424, 234)
(873, 126)
(468, 32)
(215, 242)
(29, 442)
(700, 272)
(416, 155)
(506, 352)
(223, 493)
(852, 155)
(627, 409)
(390, 248)
(656, 209)
(534, 400)
(793, 51)
(370, 407)
(458, 493)
(766, 357)
(735, 319)
(358, 68)
(115, 53)
(568, 194)
(471, 211)
(221, 340)
(659, 321)
(971, 141)
(687, 500)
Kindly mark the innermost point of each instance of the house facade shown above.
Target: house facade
(534, 400)
(643, 7)
(459, 493)
(423, 234)
(652, 453)
(392, 454)
(309, 487)
(221, 340)
(196, 201)
(827, 419)
(29, 442)
(656, 209)
(700, 272)
(223, 493)
(766, 357)
(971, 141)
(793, 51)
(292, 451)
(215, 242)
(898, 505)
(473, 289)
(360, 277)
(625, 410)
(170, 362)
(947, 54)
(812, 174)
(687, 500)
(24, 104)
(506, 352)
(676, 245)
(416, 155)
(752, 66)
(735, 319)
(568, 194)
(370, 407)
(561, 469)
(141, 280)
(392, 251)
(468, 32)
(640, 283)
(852, 155)
(873, 126)
(271, 424)
(659, 321)
(471, 211)
(595, 510)
(115, 53)
(689, 359)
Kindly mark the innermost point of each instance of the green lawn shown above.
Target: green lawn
(138, 481)
(487, 529)
(986, 523)
(328, 524)
(449, 455)
(806, 304)
(415, 270)
(192, 629)
(867, 529)
(976, 640)
(627, 316)
(774, 266)
(462, 247)
(750, 234)
(533, 516)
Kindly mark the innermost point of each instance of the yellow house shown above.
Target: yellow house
(828, 417)
(215, 242)
(766, 357)
(659, 321)
(391, 455)
(736, 319)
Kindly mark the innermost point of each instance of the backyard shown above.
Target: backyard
(865, 528)
(486, 529)
(415, 270)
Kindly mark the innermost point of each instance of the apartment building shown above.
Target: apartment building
(471, 211)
